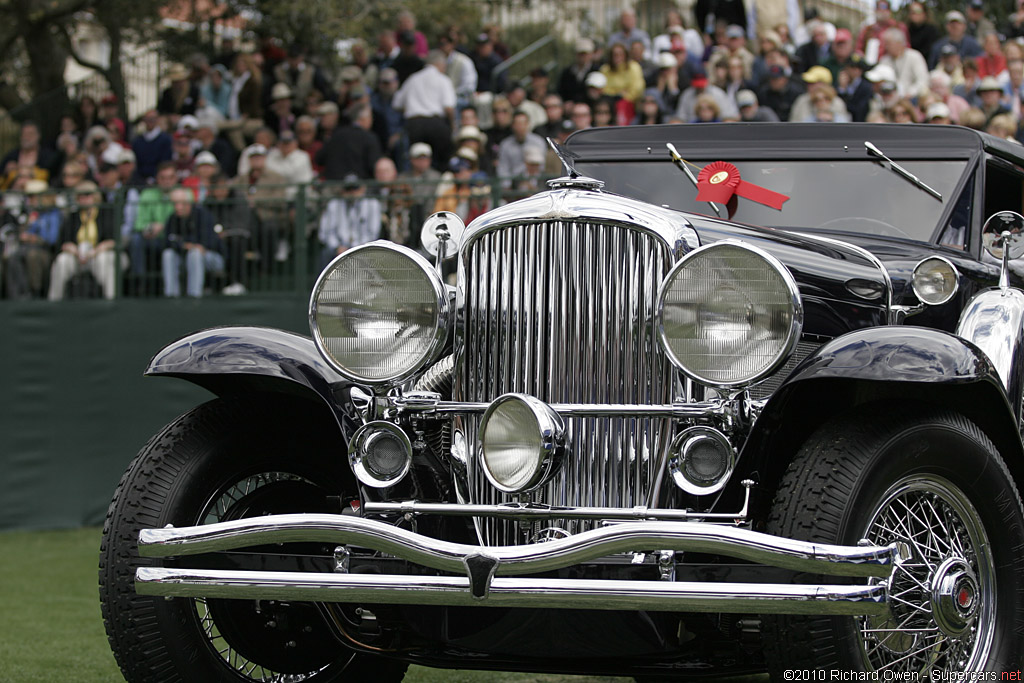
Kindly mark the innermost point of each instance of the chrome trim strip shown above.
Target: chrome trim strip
(535, 512)
(504, 592)
(868, 256)
(524, 559)
(675, 410)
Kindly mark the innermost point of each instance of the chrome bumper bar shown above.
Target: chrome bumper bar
(504, 592)
(480, 565)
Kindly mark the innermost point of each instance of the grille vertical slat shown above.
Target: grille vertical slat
(563, 310)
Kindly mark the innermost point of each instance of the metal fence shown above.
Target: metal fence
(269, 236)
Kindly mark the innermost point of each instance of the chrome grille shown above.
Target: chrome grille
(564, 311)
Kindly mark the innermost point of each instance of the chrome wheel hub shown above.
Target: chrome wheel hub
(954, 597)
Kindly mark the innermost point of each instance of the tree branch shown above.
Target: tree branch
(73, 51)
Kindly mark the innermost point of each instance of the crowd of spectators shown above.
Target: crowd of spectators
(411, 124)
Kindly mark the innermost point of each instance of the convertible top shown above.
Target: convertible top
(788, 140)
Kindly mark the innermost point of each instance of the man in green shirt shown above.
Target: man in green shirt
(155, 207)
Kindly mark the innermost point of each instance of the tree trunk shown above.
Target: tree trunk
(47, 59)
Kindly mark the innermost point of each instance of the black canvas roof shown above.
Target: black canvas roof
(787, 140)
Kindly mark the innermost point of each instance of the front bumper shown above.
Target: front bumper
(485, 571)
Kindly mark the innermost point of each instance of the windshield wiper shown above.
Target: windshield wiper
(681, 165)
(899, 170)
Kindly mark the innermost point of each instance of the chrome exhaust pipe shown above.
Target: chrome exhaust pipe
(661, 596)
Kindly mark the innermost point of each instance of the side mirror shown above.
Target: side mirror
(1003, 238)
(1004, 230)
(442, 235)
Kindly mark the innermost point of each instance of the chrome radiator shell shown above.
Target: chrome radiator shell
(557, 300)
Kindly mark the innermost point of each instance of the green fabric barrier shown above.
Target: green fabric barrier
(75, 408)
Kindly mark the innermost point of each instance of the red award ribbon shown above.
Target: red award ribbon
(720, 180)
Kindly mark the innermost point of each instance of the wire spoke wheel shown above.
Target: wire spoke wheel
(234, 503)
(942, 597)
(935, 484)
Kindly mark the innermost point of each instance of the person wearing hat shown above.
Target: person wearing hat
(300, 76)
(486, 60)
(595, 83)
(420, 182)
(735, 45)
(666, 82)
(869, 40)
(288, 161)
(991, 93)
(279, 116)
(978, 25)
(27, 265)
(907, 63)
(751, 110)
(938, 112)
(180, 97)
(854, 89)
(818, 80)
(408, 60)
(779, 91)
(349, 220)
(699, 85)
(470, 137)
(206, 167)
(352, 149)
(950, 64)
(572, 81)
(839, 54)
(87, 243)
(957, 36)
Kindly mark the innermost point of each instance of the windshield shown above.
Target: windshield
(860, 196)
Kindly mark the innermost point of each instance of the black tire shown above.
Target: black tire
(183, 476)
(886, 478)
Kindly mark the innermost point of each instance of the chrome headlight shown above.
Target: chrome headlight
(935, 280)
(379, 313)
(521, 440)
(729, 314)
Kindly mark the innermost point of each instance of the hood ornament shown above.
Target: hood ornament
(572, 177)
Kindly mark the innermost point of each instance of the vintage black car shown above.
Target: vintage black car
(640, 435)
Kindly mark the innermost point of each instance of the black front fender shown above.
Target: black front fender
(238, 360)
(895, 366)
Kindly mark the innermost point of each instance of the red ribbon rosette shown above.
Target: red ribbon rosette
(720, 180)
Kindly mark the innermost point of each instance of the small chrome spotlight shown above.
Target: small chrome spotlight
(380, 454)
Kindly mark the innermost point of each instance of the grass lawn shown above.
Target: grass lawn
(51, 630)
